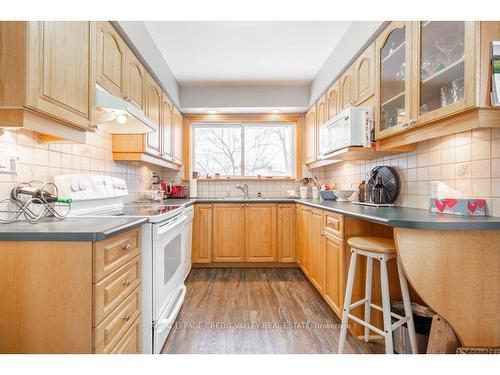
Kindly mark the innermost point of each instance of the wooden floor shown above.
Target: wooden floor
(259, 311)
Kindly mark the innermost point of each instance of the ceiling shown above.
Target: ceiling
(245, 53)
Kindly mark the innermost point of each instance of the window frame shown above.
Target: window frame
(241, 120)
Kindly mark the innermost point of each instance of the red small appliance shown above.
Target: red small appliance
(176, 191)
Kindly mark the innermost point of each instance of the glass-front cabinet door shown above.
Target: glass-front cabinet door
(393, 84)
(444, 80)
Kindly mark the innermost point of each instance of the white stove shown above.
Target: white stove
(166, 247)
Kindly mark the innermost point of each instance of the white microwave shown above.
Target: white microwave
(351, 127)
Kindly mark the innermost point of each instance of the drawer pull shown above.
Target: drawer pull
(126, 247)
(126, 317)
(126, 282)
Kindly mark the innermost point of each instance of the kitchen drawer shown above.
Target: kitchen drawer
(130, 343)
(112, 253)
(114, 326)
(334, 224)
(112, 290)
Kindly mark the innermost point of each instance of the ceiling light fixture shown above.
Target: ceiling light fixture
(122, 119)
(211, 111)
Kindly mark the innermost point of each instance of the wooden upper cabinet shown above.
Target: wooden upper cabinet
(334, 275)
(166, 128)
(444, 78)
(346, 89)
(332, 101)
(364, 75)
(317, 255)
(154, 97)
(177, 135)
(321, 111)
(111, 59)
(260, 233)
(60, 73)
(286, 232)
(393, 50)
(310, 151)
(135, 81)
(228, 232)
(202, 234)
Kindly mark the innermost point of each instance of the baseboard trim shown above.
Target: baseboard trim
(245, 265)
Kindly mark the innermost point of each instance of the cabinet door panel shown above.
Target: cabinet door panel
(135, 80)
(310, 134)
(59, 69)
(334, 273)
(444, 77)
(393, 50)
(260, 233)
(286, 232)
(346, 86)
(228, 232)
(364, 73)
(110, 59)
(177, 123)
(305, 237)
(202, 234)
(298, 234)
(166, 128)
(153, 104)
(317, 269)
(332, 101)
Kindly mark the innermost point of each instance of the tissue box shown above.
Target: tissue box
(463, 207)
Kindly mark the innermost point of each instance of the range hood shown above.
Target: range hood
(115, 115)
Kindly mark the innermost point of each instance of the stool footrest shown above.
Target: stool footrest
(372, 305)
(367, 325)
(399, 323)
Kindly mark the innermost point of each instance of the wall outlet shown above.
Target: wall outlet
(8, 162)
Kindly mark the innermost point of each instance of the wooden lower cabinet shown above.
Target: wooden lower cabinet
(286, 233)
(58, 305)
(317, 250)
(244, 233)
(260, 233)
(202, 234)
(334, 275)
(305, 239)
(228, 232)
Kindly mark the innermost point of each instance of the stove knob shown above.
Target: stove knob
(74, 187)
(82, 187)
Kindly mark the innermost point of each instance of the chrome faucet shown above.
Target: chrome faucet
(244, 189)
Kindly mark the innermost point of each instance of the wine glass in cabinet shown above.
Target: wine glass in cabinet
(393, 49)
(444, 69)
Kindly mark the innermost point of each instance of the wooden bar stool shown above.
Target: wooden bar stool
(381, 249)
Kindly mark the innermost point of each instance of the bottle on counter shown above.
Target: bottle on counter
(362, 191)
(379, 194)
(25, 193)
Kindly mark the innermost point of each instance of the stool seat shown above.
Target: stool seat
(374, 244)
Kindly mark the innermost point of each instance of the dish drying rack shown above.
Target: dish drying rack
(11, 209)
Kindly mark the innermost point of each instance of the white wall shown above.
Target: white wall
(359, 35)
(296, 98)
(137, 33)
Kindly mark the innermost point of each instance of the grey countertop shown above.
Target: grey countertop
(399, 217)
(68, 229)
(98, 228)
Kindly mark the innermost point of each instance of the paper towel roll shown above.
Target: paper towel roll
(193, 188)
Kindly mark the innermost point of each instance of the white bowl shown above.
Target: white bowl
(342, 195)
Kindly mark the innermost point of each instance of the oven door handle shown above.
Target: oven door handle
(169, 320)
(170, 225)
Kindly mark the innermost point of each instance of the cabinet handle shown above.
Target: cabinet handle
(126, 282)
(209, 206)
(280, 205)
(126, 317)
(242, 205)
(126, 247)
